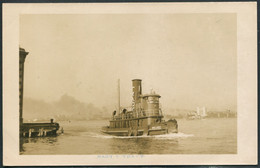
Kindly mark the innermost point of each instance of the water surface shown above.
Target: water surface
(207, 136)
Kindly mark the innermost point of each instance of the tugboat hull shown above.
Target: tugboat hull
(122, 132)
(173, 128)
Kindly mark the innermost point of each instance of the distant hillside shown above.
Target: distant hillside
(66, 108)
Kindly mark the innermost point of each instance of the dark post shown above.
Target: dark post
(22, 56)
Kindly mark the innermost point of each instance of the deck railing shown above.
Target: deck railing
(140, 113)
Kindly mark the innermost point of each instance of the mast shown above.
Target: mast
(118, 96)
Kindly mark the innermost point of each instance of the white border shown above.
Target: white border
(247, 82)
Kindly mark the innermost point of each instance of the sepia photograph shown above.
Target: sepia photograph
(161, 83)
(128, 84)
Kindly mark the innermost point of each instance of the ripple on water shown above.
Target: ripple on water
(165, 136)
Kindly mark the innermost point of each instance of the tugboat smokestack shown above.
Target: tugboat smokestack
(137, 91)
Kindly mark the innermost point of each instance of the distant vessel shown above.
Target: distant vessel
(199, 114)
(192, 115)
(202, 112)
(143, 118)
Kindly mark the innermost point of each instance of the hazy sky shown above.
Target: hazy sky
(189, 59)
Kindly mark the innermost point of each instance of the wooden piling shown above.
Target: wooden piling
(30, 133)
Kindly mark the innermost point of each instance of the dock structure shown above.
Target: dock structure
(39, 129)
(31, 129)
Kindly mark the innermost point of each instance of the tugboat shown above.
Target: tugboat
(143, 118)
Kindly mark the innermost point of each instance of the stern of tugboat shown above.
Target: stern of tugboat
(172, 126)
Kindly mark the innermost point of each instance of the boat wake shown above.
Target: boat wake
(173, 136)
(165, 136)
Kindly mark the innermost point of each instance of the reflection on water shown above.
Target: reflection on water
(49, 140)
(21, 142)
(139, 145)
(211, 136)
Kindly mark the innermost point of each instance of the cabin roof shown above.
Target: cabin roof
(151, 95)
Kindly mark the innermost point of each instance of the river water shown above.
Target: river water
(206, 136)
